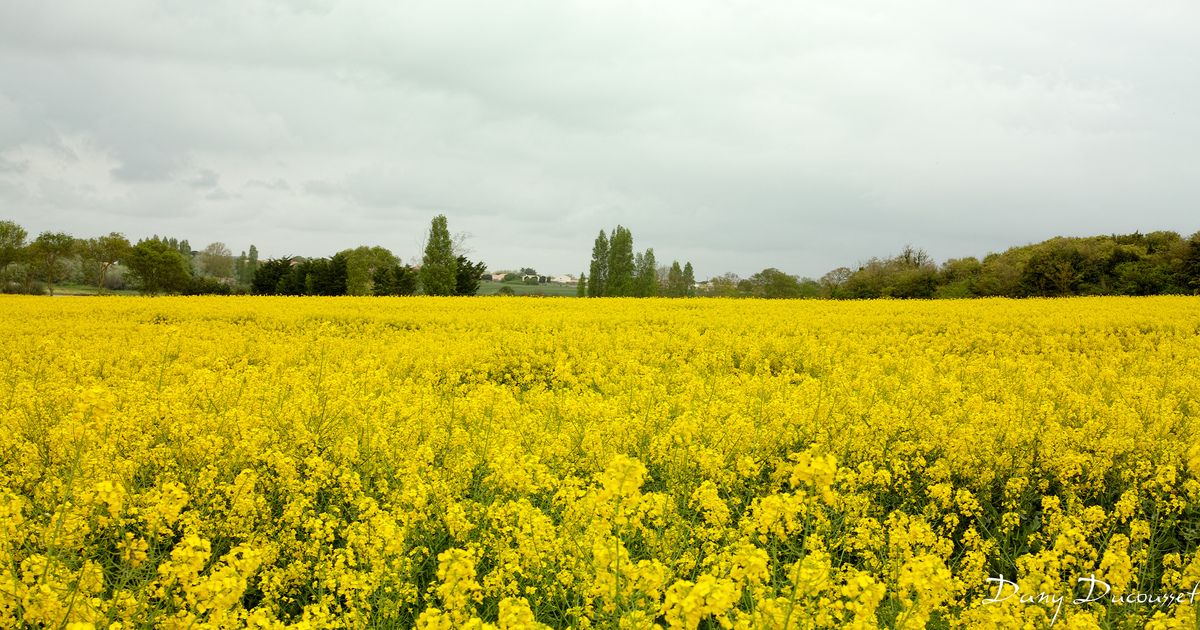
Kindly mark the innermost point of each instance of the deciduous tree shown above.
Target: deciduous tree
(105, 251)
(157, 267)
(216, 260)
(621, 268)
(646, 280)
(12, 248)
(774, 284)
(832, 283)
(725, 285)
(599, 268)
(361, 263)
(251, 265)
(675, 287)
(47, 254)
(1191, 263)
(239, 268)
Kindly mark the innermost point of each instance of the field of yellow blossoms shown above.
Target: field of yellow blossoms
(195, 463)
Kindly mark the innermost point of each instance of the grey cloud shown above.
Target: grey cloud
(276, 184)
(206, 178)
(803, 136)
(13, 166)
(324, 188)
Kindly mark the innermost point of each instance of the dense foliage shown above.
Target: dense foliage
(157, 267)
(1132, 264)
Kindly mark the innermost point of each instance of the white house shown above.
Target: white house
(567, 279)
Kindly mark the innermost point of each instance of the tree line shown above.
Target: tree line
(1130, 264)
(110, 262)
(168, 265)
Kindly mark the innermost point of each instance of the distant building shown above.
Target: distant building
(567, 279)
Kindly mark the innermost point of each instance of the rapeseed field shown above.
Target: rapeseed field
(192, 463)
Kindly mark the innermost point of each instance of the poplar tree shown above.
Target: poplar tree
(689, 281)
(646, 279)
(599, 270)
(239, 268)
(251, 265)
(581, 288)
(675, 286)
(185, 250)
(621, 269)
(439, 267)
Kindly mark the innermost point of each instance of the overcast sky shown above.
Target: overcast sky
(737, 135)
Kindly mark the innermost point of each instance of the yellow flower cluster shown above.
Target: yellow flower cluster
(307, 463)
